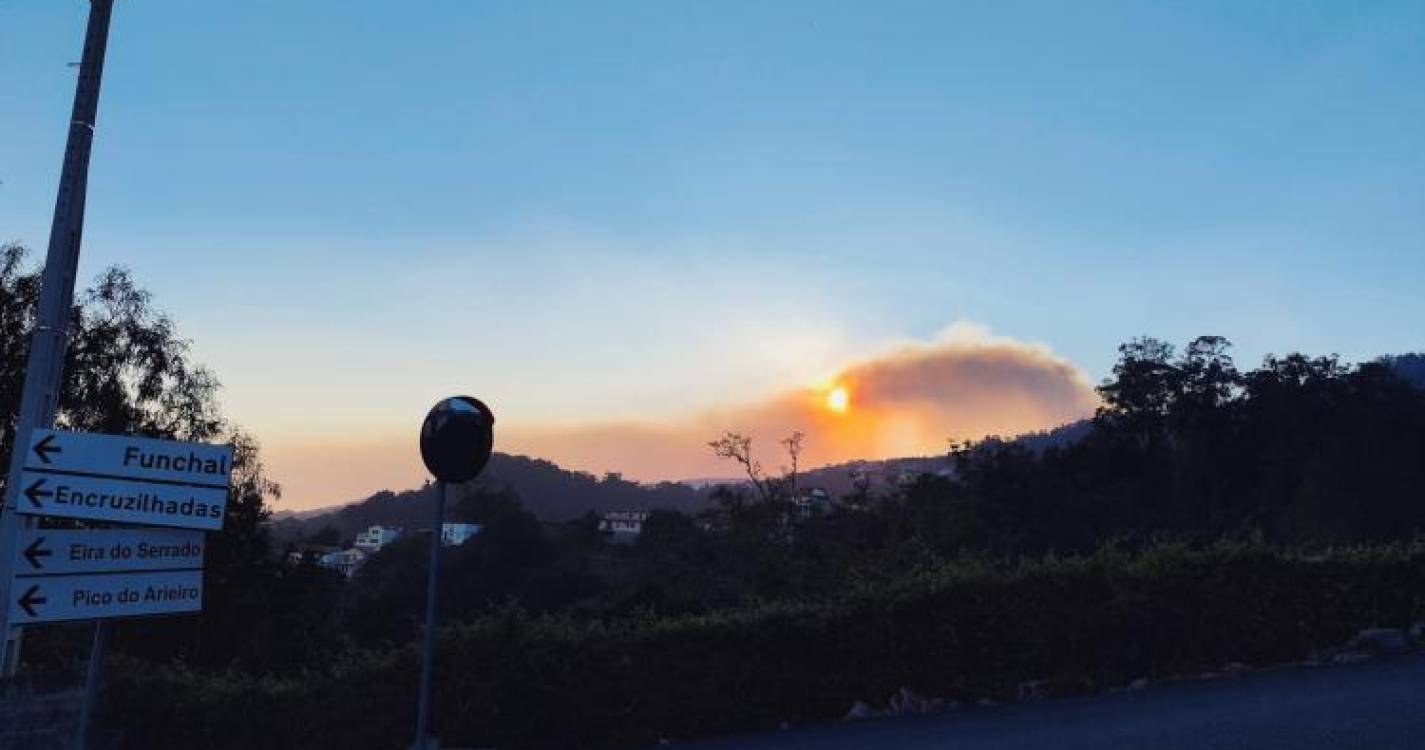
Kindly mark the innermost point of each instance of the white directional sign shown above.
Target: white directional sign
(54, 552)
(125, 479)
(124, 457)
(105, 499)
(99, 573)
(86, 597)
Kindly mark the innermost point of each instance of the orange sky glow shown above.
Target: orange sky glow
(909, 401)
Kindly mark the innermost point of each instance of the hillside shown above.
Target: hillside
(556, 494)
(550, 492)
(879, 476)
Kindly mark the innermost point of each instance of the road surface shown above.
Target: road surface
(1377, 706)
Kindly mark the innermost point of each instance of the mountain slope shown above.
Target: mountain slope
(551, 493)
(556, 494)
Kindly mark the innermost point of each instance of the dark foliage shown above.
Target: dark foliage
(1408, 366)
(516, 557)
(960, 631)
(1303, 449)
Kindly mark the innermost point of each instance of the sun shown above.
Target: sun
(837, 399)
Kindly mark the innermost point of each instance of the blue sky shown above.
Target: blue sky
(587, 211)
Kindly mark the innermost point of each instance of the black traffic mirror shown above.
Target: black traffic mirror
(456, 438)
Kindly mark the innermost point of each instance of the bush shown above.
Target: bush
(963, 631)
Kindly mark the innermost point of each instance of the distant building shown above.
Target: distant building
(451, 534)
(623, 525)
(370, 541)
(455, 534)
(346, 562)
(376, 537)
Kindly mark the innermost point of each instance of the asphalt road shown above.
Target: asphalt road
(1377, 706)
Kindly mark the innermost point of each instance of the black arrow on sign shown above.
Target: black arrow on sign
(45, 447)
(34, 552)
(36, 491)
(29, 600)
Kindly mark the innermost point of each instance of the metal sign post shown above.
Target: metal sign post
(98, 574)
(45, 369)
(456, 439)
(93, 681)
(423, 739)
(48, 576)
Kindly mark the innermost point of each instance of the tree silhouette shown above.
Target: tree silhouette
(127, 371)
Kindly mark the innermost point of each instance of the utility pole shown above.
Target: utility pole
(44, 372)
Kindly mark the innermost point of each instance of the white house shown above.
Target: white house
(453, 534)
(623, 525)
(346, 561)
(376, 537)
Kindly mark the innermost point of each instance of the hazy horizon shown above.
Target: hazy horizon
(908, 401)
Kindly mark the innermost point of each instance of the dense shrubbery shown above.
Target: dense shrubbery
(964, 630)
